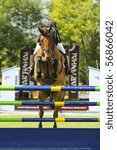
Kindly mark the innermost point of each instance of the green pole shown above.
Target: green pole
(10, 119)
(16, 103)
(7, 88)
(98, 119)
(97, 88)
(98, 103)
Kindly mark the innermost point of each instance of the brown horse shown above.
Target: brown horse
(49, 70)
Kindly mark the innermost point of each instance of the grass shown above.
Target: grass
(48, 124)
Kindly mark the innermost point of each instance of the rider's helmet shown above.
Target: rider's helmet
(51, 23)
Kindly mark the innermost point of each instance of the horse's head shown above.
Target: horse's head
(47, 43)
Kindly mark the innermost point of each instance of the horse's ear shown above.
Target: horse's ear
(40, 30)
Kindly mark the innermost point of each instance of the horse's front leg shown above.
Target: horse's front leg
(55, 115)
(54, 68)
(41, 113)
(39, 68)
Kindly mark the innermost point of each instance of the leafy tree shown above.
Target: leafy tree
(78, 23)
(18, 18)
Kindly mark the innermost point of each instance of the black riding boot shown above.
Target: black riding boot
(67, 70)
(54, 66)
(39, 68)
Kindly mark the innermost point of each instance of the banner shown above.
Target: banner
(74, 65)
(24, 64)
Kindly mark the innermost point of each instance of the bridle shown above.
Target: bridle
(50, 50)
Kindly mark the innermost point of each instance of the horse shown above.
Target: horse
(49, 70)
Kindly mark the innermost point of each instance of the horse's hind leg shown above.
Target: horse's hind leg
(58, 96)
(55, 115)
(41, 113)
(42, 96)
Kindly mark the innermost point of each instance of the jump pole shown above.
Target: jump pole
(48, 88)
(23, 103)
(49, 119)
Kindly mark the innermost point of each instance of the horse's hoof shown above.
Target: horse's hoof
(55, 125)
(54, 74)
(40, 126)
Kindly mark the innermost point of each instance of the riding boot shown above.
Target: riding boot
(54, 66)
(67, 71)
(39, 68)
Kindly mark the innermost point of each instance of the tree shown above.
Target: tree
(18, 21)
(78, 23)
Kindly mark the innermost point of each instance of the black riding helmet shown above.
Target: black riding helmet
(51, 23)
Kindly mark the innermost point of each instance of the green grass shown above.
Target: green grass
(48, 124)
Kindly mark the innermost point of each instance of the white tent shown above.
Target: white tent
(10, 76)
(94, 80)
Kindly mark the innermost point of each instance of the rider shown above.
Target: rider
(57, 40)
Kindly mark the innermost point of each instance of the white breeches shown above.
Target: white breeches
(59, 46)
(36, 48)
